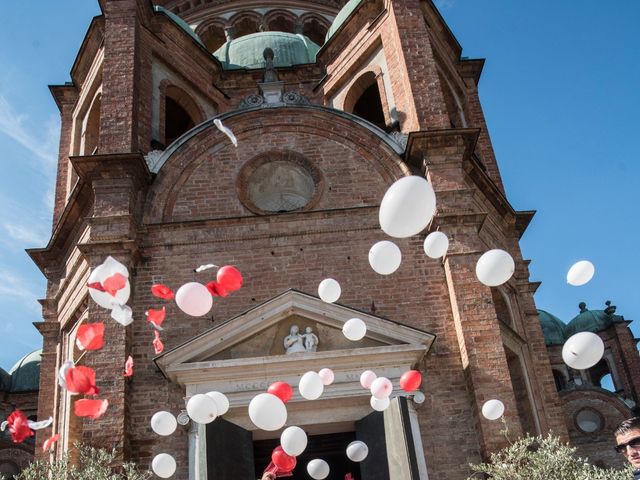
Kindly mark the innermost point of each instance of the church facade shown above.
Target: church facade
(330, 102)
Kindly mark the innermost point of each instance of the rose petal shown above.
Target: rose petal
(81, 380)
(90, 336)
(115, 282)
(128, 367)
(158, 346)
(216, 289)
(162, 291)
(96, 286)
(90, 408)
(156, 317)
(19, 426)
(49, 442)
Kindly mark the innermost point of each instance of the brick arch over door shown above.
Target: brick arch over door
(196, 178)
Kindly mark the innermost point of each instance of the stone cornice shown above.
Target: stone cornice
(111, 166)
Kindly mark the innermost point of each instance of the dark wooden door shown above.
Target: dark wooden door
(229, 452)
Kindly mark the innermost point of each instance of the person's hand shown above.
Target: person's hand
(268, 476)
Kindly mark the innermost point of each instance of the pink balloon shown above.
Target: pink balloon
(381, 388)
(367, 378)
(327, 376)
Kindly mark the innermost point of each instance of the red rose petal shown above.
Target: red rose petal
(81, 380)
(49, 442)
(216, 289)
(162, 291)
(19, 426)
(96, 286)
(90, 336)
(115, 282)
(156, 317)
(128, 367)
(90, 408)
(158, 346)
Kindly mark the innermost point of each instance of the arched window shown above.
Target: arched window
(181, 113)
(246, 24)
(212, 36)
(365, 100)
(503, 309)
(600, 375)
(315, 29)
(280, 22)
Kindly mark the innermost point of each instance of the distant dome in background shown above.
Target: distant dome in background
(24, 376)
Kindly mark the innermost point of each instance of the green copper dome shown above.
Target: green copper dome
(350, 7)
(248, 51)
(5, 381)
(592, 320)
(25, 374)
(553, 328)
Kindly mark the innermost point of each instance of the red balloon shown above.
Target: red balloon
(229, 278)
(411, 380)
(282, 390)
(284, 462)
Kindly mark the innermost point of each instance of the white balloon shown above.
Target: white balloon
(366, 379)
(354, 329)
(194, 299)
(583, 350)
(329, 290)
(318, 469)
(163, 465)
(202, 408)
(495, 267)
(379, 404)
(580, 273)
(327, 376)
(293, 441)
(163, 423)
(381, 388)
(122, 314)
(407, 207)
(385, 257)
(357, 451)
(436, 245)
(311, 386)
(222, 402)
(267, 412)
(492, 409)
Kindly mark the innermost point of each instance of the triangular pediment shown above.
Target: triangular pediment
(260, 332)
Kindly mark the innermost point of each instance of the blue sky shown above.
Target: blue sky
(561, 97)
